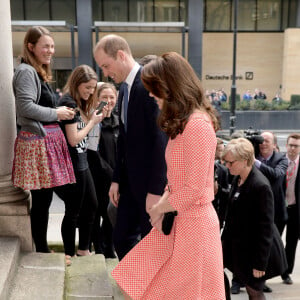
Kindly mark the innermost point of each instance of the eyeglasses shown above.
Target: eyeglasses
(230, 163)
(293, 146)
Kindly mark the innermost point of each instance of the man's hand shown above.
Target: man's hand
(114, 193)
(151, 199)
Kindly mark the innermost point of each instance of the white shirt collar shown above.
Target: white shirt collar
(131, 76)
(296, 160)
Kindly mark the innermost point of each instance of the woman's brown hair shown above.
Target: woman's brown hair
(81, 74)
(172, 78)
(32, 36)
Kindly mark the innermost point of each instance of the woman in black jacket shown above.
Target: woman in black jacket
(102, 158)
(252, 246)
(80, 200)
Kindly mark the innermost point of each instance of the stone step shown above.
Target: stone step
(87, 278)
(39, 276)
(110, 265)
(9, 256)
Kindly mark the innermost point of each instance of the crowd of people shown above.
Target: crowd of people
(144, 177)
(216, 97)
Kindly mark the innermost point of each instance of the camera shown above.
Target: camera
(254, 137)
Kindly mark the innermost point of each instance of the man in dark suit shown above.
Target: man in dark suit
(140, 174)
(292, 185)
(274, 165)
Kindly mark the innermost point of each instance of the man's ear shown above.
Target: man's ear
(30, 46)
(121, 54)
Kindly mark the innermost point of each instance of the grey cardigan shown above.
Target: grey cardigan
(27, 91)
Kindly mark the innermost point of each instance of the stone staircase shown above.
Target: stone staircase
(40, 276)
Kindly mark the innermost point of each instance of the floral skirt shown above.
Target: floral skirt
(42, 162)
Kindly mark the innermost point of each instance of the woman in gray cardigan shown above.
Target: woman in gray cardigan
(41, 159)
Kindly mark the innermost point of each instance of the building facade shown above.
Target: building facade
(268, 36)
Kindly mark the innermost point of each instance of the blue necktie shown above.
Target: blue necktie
(125, 100)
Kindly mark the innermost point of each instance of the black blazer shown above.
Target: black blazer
(250, 238)
(297, 195)
(275, 171)
(140, 150)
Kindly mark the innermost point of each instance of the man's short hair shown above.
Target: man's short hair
(111, 44)
(294, 135)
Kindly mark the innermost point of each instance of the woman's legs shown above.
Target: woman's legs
(87, 214)
(254, 294)
(72, 195)
(41, 201)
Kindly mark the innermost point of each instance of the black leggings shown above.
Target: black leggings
(254, 294)
(39, 215)
(80, 207)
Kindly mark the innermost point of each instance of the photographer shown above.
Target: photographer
(222, 186)
(274, 165)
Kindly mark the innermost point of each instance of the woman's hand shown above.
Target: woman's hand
(65, 113)
(158, 224)
(95, 119)
(258, 274)
(156, 216)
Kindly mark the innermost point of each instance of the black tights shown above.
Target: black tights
(39, 215)
(254, 294)
(80, 207)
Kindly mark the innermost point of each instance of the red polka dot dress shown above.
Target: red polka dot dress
(187, 264)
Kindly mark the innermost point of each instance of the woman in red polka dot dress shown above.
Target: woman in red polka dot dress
(186, 264)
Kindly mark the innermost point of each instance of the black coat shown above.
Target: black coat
(297, 195)
(220, 202)
(275, 171)
(250, 238)
(140, 150)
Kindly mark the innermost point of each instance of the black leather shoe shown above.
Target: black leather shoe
(287, 280)
(267, 289)
(235, 288)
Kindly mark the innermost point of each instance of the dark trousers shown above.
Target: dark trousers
(132, 222)
(280, 226)
(80, 207)
(101, 234)
(39, 215)
(292, 235)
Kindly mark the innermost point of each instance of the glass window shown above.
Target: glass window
(17, 9)
(115, 10)
(166, 11)
(37, 10)
(246, 18)
(141, 11)
(97, 10)
(217, 15)
(292, 13)
(183, 9)
(268, 15)
(63, 10)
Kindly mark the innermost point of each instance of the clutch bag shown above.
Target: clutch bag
(167, 221)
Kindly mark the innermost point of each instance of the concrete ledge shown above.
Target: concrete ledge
(9, 255)
(39, 276)
(87, 279)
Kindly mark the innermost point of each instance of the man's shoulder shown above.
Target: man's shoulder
(277, 157)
